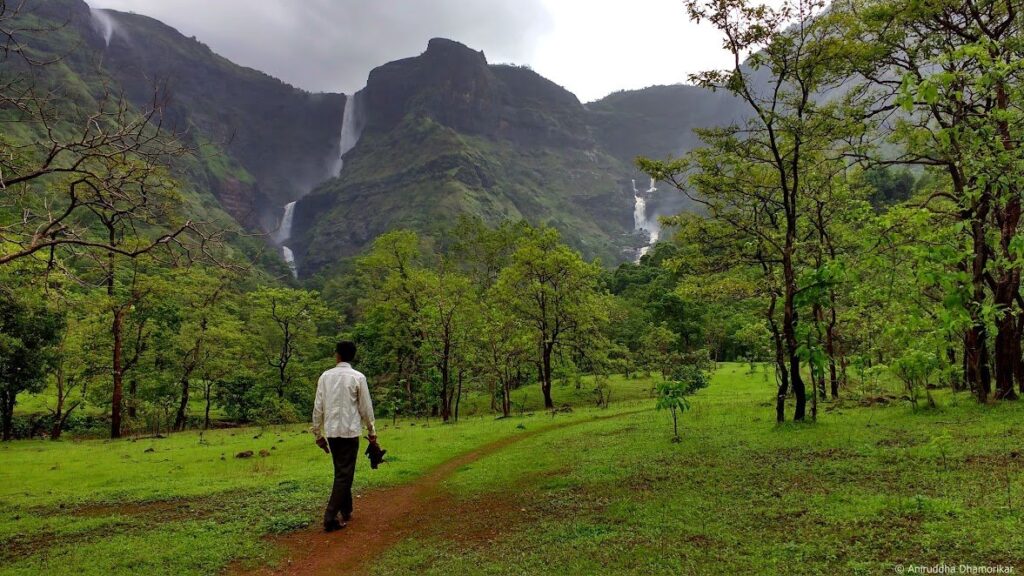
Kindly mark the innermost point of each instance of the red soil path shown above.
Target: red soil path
(384, 517)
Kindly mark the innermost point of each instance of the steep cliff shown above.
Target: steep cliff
(447, 134)
(429, 138)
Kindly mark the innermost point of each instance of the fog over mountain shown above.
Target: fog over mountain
(591, 48)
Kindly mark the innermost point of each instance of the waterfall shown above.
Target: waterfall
(284, 232)
(351, 129)
(639, 210)
(641, 223)
(104, 23)
(289, 259)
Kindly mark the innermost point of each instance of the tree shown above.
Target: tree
(75, 364)
(759, 178)
(946, 79)
(285, 322)
(447, 320)
(658, 346)
(672, 393)
(390, 329)
(198, 313)
(504, 347)
(28, 332)
(549, 287)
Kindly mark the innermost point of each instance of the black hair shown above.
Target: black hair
(346, 350)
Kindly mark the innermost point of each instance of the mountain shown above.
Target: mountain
(282, 140)
(446, 133)
(429, 138)
(659, 122)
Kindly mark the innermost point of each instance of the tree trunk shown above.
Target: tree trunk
(789, 320)
(458, 397)
(181, 418)
(58, 412)
(977, 371)
(1018, 357)
(506, 399)
(446, 388)
(830, 346)
(206, 414)
(780, 362)
(545, 384)
(281, 378)
(7, 400)
(118, 372)
(955, 381)
(1007, 288)
(1007, 349)
(58, 419)
(976, 361)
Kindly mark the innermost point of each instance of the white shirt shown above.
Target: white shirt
(342, 404)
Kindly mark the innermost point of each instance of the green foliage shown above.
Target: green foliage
(28, 331)
(915, 368)
(239, 396)
(686, 380)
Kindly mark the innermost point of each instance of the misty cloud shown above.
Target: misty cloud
(331, 45)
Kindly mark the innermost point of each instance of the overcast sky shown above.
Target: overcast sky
(592, 47)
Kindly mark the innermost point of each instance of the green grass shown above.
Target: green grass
(858, 492)
(167, 505)
(855, 493)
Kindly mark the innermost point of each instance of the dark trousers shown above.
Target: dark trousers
(343, 452)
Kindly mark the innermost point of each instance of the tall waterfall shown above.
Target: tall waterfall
(289, 259)
(641, 223)
(104, 23)
(284, 232)
(351, 129)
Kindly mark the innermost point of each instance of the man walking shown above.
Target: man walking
(341, 409)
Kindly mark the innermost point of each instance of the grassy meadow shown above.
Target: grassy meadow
(864, 489)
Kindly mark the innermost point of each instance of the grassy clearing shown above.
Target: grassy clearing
(185, 505)
(862, 490)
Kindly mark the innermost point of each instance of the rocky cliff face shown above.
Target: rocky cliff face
(447, 134)
(265, 142)
(442, 134)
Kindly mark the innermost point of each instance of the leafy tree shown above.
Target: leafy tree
(914, 368)
(672, 393)
(286, 324)
(762, 181)
(76, 363)
(889, 185)
(447, 319)
(390, 329)
(658, 347)
(239, 397)
(549, 287)
(29, 330)
(505, 346)
(191, 343)
(953, 71)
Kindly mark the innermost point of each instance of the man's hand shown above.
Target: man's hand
(322, 443)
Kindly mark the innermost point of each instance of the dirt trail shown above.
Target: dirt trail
(384, 517)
